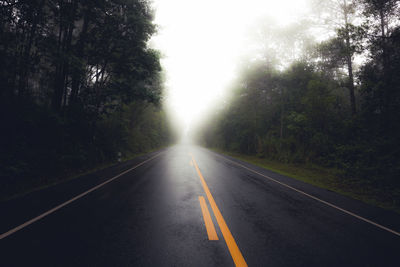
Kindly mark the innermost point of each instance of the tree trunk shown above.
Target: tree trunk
(77, 72)
(385, 60)
(349, 61)
(57, 94)
(65, 40)
(350, 85)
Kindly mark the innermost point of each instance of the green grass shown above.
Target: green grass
(384, 197)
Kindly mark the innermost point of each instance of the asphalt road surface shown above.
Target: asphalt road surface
(188, 206)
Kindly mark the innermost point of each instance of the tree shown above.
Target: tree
(341, 49)
(73, 75)
(382, 27)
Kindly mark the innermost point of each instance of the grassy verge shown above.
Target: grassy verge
(384, 197)
(43, 183)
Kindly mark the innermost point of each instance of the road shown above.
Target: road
(188, 206)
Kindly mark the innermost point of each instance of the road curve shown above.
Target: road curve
(188, 206)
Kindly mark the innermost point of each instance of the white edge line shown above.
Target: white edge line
(318, 199)
(37, 218)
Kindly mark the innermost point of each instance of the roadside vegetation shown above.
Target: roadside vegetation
(79, 85)
(322, 109)
(330, 179)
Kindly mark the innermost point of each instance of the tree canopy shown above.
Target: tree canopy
(321, 109)
(79, 84)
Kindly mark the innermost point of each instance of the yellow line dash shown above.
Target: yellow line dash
(229, 240)
(212, 234)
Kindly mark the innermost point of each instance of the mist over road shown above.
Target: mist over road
(167, 205)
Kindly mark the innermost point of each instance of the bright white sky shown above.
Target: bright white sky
(202, 40)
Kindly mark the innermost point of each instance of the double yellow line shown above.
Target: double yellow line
(229, 240)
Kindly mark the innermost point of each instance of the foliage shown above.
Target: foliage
(303, 115)
(78, 85)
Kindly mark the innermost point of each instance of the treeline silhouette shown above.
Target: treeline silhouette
(321, 111)
(78, 85)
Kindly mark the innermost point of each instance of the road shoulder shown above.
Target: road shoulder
(23, 208)
(379, 215)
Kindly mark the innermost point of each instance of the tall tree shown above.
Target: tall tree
(382, 26)
(346, 44)
(69, 71)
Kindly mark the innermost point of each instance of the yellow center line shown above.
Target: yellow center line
(229, 240)
(212, 234)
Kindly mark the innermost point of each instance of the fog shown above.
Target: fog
(205, 43)
(303, 85)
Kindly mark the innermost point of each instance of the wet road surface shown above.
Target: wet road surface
(188, 206)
